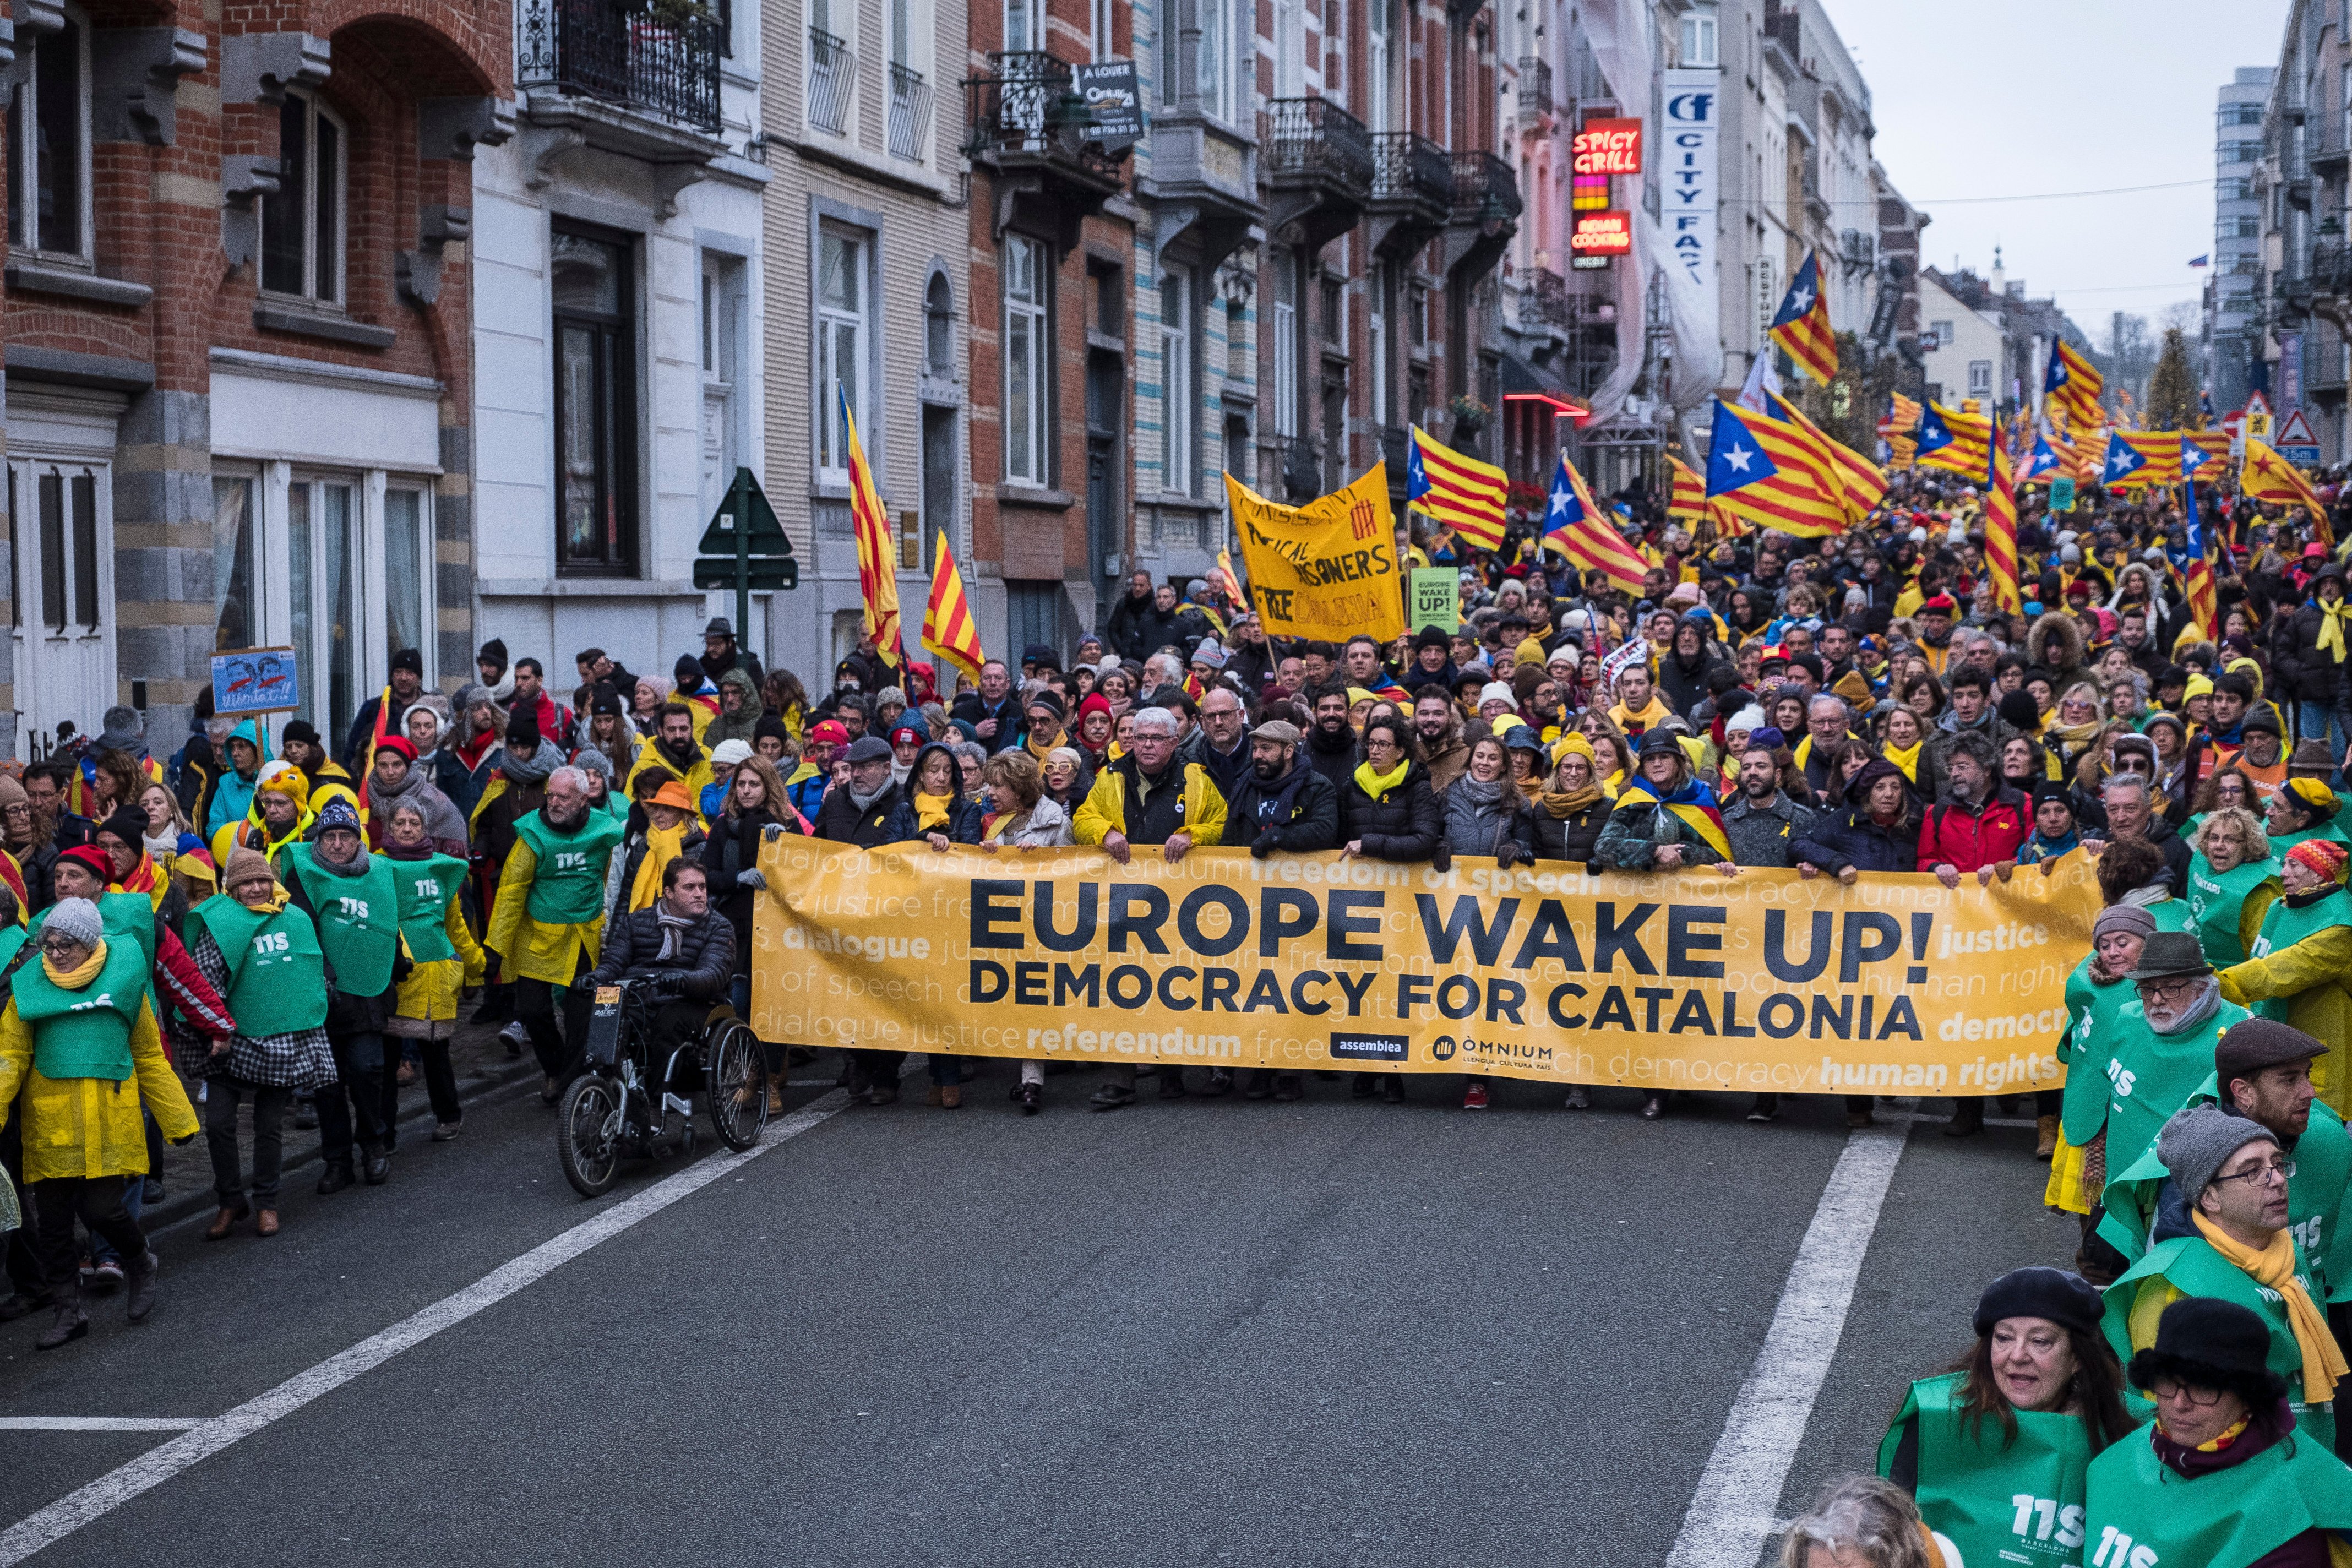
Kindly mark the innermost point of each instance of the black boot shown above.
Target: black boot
(1968, 1118)
(335, 1177)
(71, 1322)
(140, 1277)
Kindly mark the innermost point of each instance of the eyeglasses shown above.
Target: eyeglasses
(56, 946)
(2178, 986)
(2262, 1175)
(2173, 1388)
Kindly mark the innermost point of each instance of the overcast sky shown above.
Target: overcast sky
(2021, 97)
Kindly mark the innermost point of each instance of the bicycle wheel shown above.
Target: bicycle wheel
(587, 1134)
(735, 1076)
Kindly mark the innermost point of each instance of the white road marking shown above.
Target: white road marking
(112, 1490)
(1736, 1505)
(101, 1423)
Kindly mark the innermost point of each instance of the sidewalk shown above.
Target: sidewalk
(482, 1065)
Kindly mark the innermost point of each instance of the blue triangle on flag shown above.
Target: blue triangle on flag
(1734, 458)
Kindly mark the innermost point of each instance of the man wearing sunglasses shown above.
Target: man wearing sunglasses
(2236, 1247)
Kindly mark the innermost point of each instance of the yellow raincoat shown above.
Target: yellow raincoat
(425, 1005)
(88, 1127)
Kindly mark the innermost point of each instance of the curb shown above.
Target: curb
(202, 1200)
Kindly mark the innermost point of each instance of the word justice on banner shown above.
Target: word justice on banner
(1761, 982)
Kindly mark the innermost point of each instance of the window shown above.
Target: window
(1289, 48)
(1335, 57)
(1285, 344)
(407, 567)
(1376, 330)
(595, 404)
(1335, 314)
(1237, 361)
(48, 147)
(938, 328)
(831, 67)
(1379, 110)
(1980, 378)
(1025, 23)
(318, 547)
(302, 224)
(841, 346)
(1217, 63)
(1943, 331)
(1180, 398)
(1699, 39)
(2233, 188)
(1102, 42)
(63, 537)
(236, 621)
(1028, 355)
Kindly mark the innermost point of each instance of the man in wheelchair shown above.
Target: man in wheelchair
(687, 954)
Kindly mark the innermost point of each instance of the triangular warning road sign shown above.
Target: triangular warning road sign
(2294, 430)
(2257, 406)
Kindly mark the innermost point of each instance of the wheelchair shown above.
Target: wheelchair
(609, 1113)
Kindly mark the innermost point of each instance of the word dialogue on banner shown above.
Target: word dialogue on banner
(1763, 981)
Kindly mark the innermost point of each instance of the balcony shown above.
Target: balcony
(1534, 92)
(619, 55)
(832, 82)
(2331, 270)
(1396, 452)
(1484, 215)
(1318, 168)
(1412, 192)
(1029, 127)
(1302, 468)
(1205, 179)
(911, 113)
(1545, 302)
(2325, 146)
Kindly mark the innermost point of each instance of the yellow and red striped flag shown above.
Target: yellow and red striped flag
(948, 630)
(1803, 325)
(2136, 458)
(2073, 386)
(1463, 493)
(1772, 474)
(1859, 478)
(1576, 526)
(1900, 429)
(878, 578)
(2212, 442)
(1955, 439)
(2267, 477)
(2001, 531)
(1685, 493)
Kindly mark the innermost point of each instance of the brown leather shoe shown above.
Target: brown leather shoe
(2045, 1128)
(266, 1223)
(224, 1222)
(951, 1095)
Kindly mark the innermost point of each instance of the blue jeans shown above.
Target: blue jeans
(2320, 721)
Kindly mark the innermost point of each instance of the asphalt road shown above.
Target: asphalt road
(1336, 1331)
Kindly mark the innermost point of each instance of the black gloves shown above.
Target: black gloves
(1267, 841)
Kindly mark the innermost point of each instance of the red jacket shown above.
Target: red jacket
(1966, 840)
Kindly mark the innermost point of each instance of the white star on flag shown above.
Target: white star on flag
(1559, 500)
(1737, 458)
(1802, 300)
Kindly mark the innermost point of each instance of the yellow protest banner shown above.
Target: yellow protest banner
(1762, 982)
(1327, 570)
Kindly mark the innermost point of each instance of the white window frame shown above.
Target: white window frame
(831, 322)
(1980, 378)
(1943, 331)
(1376, 335)
(373, 578)
(1102, 38)
(1285, 328)
(1024, 24)
(1380, 87)
(1027, 272)
(1219, 66)
(1698, 41)
(24, 146)
(1180, 394)
(316, 111)
(1335, 61)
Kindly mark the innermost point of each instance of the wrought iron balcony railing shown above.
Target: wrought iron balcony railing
(1407, 166)
(832, 81)
(1484, 188)
(1535, 88)
(1547, 298)
(622, 53)
(910, 112)
(1313, 137)
(1027, 105)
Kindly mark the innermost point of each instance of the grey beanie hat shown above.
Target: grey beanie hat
(75, 917)
(2124, 918)
(2198, 1141)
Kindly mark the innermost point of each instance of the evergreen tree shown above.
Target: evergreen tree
(2172, 393)
(1848, 409)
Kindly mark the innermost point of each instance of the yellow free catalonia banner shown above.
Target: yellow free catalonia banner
(1762, 982)
(1327, 570)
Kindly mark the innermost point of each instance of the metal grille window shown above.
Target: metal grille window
(595, 404)
(1028, 354)
(841, 306)
(302, 224)
(48, 147)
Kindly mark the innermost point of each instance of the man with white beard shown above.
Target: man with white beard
(2163, 1043)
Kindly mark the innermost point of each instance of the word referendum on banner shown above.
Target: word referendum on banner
(1327, 570)
(1759, 983)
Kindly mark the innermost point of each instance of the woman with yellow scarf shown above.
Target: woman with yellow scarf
(670, 827)
(935, 807)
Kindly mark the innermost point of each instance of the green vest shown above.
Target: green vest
(2284, 926)
(2172, 914)
(567, 879)
(12, 941)
(358, 917)
(84, 1033)
(2085, 1049)
(2216, 897)
(2191, 1265)
(2282, 842)
(1997, 1501)
(2141, 1515)
(425, 888)
(277, 977)
(2150, 1076)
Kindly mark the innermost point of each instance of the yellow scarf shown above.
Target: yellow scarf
(1905, 757)
(931, 811)
(1377, 785)
(75, 979)
(278, 899)
(2323, 1363)
(1041, 751)
(662, 846)
(1653, 714)
(2331, 627)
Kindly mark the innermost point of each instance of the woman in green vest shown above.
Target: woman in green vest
(2095, 992)
(262, 954)
(2232, 879)
(2300, 966)
(449, 961)
(2223, 1478)
(352, 898)
(79, 1038)
(1995, 1450)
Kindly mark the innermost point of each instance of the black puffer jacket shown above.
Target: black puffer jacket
(733, 849)
(905, 824)
(705, 955)
(1576, 838)
(1406, 825)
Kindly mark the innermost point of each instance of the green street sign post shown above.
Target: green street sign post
(745, 548)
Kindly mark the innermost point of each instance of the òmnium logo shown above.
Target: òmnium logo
(1371, 1047)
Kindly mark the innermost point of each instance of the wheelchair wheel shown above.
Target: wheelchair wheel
(588, 1135)
(735, 1077)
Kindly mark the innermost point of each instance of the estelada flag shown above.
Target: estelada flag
(948, 630)
(2267, 477)
(1577, 527)
(1802, 324)
(877, 576)
(1463, 493)
(1685, 494)
(1955, 439)
(2072, 385)
(1858, 476)
(2141, 457)
(1771, 473)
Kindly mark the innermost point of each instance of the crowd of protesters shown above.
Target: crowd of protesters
(299, 934)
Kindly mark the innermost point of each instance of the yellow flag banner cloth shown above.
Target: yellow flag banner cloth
(1760, 983)
(1327, 570)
